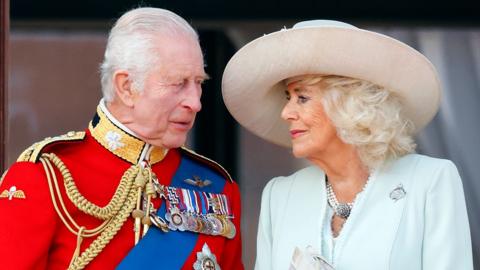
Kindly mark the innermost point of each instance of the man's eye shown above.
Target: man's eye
(179, 83)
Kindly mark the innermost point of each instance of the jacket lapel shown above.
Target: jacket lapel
(304, 212)
(374, 220)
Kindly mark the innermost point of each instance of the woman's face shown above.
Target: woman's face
(311, 130)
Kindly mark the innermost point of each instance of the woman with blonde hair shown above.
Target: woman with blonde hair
(349, 101)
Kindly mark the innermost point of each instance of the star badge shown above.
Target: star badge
(12, 192)
(206, 260)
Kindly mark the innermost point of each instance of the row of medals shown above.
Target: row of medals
(211, 224)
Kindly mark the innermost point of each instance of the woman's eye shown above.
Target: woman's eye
(302, 99)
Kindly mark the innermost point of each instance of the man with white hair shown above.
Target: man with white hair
(124, 193)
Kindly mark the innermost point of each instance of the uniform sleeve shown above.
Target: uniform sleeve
(232, 254)
(27, 218)
(264, 234)
(447, 243)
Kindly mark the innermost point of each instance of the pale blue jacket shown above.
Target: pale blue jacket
(427, 229)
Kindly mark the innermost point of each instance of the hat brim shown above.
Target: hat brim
(253, 87)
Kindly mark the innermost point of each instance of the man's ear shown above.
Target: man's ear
(122, 84)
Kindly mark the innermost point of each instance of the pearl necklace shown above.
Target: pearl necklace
(341, 209)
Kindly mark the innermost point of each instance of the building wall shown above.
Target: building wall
(54, 85)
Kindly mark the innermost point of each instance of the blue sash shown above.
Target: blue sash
(159, 250)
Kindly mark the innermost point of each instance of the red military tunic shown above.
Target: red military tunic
(32, 235)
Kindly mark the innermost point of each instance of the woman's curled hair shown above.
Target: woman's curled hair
(366, 115)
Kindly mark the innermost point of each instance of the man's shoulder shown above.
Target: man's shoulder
(33, 153)
(28, 167)
(206, 162)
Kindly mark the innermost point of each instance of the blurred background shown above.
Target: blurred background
(54, 48)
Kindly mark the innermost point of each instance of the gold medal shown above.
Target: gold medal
(232, 230)
(229, 230)
(200, 224)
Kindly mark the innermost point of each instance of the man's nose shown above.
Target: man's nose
(192, 99)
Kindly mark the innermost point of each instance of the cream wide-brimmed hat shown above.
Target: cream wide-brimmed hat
(253, 81)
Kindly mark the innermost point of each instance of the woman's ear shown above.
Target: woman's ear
(122, 84)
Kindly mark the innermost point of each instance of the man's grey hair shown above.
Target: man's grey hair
(131, 45)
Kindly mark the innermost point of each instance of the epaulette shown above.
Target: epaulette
(32, 153)
(212, 164)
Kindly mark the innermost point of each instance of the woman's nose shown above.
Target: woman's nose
(288, 112)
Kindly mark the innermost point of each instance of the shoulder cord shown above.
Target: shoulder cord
(104, 213)
(124, 203)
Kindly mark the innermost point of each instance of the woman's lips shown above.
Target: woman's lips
(294, 133)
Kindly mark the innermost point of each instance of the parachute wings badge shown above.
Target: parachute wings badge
(197, 181)
(13, 193)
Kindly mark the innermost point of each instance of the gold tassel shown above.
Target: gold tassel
(150, 191)
(79, 244)
(138, 214)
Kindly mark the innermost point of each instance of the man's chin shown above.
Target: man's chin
(168, 144)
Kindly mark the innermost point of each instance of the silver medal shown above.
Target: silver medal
(217, 226)
(176, 220)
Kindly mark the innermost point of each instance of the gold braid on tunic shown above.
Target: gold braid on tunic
(114, 214)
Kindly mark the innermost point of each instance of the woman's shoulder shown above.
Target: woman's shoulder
(427, 170)
(423, 162)
(301, 177)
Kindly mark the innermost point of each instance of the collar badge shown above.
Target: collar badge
(114, 140)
